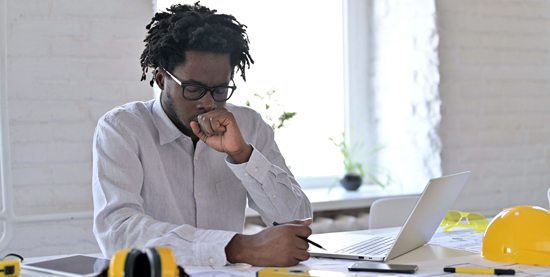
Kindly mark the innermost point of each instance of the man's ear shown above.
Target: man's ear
(159, 78)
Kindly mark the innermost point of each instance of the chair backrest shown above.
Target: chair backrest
(391, 212)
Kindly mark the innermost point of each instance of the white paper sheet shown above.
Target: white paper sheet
(465, 239)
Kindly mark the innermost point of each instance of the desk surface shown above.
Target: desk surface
(430, 258)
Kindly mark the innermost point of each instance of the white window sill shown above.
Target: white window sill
(339, 198)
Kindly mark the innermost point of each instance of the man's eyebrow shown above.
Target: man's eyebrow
(195, 82)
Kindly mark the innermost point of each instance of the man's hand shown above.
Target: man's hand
(275, 246)
(219, 130)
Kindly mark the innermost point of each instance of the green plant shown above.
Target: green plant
(357, 151)
(270, 108)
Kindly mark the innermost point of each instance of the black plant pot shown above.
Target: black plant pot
(351, 182)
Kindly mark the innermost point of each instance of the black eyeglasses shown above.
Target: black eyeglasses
(195, 92)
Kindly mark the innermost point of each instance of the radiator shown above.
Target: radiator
(321, 225)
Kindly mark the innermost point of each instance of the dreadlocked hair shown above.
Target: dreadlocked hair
(193, 27)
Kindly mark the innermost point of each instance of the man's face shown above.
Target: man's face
(201, 68)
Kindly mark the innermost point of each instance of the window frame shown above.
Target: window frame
(6, 212)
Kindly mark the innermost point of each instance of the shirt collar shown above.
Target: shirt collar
(168, 132)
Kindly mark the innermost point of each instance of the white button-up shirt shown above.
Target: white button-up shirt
(152, 187)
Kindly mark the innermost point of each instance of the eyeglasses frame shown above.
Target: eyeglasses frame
(205, 89)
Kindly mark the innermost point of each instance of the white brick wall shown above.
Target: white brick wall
(69, 62)
(495, 94)
(404, 81)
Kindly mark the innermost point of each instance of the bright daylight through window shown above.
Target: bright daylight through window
(297, 51)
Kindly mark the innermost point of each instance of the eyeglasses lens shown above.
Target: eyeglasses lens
(477, 221)
(220, 94)
(192, 92)
(452, 218)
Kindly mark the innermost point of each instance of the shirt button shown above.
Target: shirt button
(274, 196)
(199, 193)
(211, 260)
(256, 170)
(246, 174)
(196, 158)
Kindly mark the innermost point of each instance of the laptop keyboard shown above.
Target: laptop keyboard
(376, 246)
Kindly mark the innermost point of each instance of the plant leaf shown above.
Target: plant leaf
(373, 178)
(332, 186)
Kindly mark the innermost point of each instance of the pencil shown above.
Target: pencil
(306, 239)
(494, 271)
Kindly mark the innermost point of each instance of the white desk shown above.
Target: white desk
(430, 258)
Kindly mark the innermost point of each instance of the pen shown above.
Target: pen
(306, 239)
(494, 271)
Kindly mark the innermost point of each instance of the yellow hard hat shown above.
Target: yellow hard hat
(518, 235)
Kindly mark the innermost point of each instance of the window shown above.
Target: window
(347, 64)
(297, 49)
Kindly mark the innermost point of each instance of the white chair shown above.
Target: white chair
(391, 212)
(549, 196)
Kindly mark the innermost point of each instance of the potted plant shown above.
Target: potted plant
(355, 152)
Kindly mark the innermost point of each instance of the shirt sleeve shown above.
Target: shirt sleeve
(273, 190)
(119, 217)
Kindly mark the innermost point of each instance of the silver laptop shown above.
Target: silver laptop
(423, 221)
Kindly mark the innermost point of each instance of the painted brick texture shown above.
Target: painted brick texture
(495, 94)
(69, 62)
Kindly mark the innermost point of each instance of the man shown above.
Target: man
(178, 171)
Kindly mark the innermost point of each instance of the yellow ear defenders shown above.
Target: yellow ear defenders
(11, 267)
(150, 262)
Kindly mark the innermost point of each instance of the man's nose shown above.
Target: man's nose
(208, 102)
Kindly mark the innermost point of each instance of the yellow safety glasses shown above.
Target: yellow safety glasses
(475, 221)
